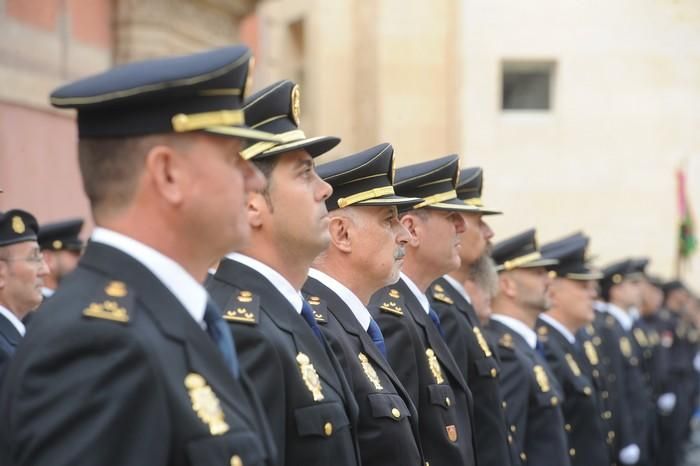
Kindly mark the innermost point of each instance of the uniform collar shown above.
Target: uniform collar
(621, 316)
(16, 323)
(176, 279)
(518, 327)
(280, 283)
(459, 287)
(420, 296)
(353, 302)
(559, 327)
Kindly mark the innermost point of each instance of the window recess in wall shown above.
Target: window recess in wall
(527, 86)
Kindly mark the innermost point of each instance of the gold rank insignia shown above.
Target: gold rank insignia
(541, 378)
(318, 309)
(393, 293)
(369, 371)
(451, 432)
(245, 297)
(591, 352)
(109, 310)
(542, 331)
(440, 295)
(242, 308)
(240, 314)
(573, 365)
(392, 308)
(641, 337)
(18, 225)
(310, 376)
(506, 340)
(482, 342)
(206, 404)
(590, 330)
(434, 366)
(116, 289)
(625, 347)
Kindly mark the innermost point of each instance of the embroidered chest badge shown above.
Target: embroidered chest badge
(310, 376)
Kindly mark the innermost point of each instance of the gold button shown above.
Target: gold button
(605, 394)
(572, 452)
(611, 435)
(510, 438)
(554, 400)
(328, 429)
(447, 401)
(523, 456)
(494, 372)
(236, 461)
(587, 390)
(567, 427)
(504, 404)
(512, 428)
(396, 413)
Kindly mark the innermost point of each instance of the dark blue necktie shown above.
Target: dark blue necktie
(539, 347)
(436, 320)
(220, 333)
(308, 314)
(376, 335)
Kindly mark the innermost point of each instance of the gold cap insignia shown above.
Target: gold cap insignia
(108, 310)
(482, 342)
(573, 364)
(296, 104)
(240, 314)
(541, 378)
(18, 225)
(310, 376)
(369, 371)
(394, 293)
(116, 289)
(451, 432)
(206, 404)
(625, 347)
(57, 244)
(617, 278)
(434, 366)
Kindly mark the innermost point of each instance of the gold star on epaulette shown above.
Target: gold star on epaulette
(506, 341)
(242, 308)
(440, 295)
(112, 306)
(391, 307)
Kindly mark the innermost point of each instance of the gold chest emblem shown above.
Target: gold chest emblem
(206, 404)
(310, 376)
(573, 364)
(541, 378)
(434, 366)
(591, 353)
(625, 347)
(451, 432)
(641, 337)
(482, 342)
(369, 371)
(18, 225)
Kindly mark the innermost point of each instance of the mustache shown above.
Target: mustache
(399, 253)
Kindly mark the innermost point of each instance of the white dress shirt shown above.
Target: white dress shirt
(280, 283)
(621, 316)
(13, 320)
(518, 327)
(422, 298)
(559, 327)
(353, 302)
(459, 287)
(176, 279)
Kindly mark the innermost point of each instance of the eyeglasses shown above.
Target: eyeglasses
(36, 258)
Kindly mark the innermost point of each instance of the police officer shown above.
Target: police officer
(61, 246)
(365, 253)
(532, 393)
(571, 295)
(307, 400)
(415, 340)
(128, 363)
(462, 329)
(22, 270)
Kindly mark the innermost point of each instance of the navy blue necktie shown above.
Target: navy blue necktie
(436, 320)
(308, 314)
(539, 347)
(220, 333)
(376, 335)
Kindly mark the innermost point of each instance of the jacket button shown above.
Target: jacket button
(328, 429)
(396, 413)
(447, 401)
(572, 451)
(236, 461)
(567, 427)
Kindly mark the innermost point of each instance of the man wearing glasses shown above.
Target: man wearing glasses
(22, 269)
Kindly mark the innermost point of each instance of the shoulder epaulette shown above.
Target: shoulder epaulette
(506, 341)
(112, 304)
(440, 295)
(242, 308)
(392, 303)
(320, 309)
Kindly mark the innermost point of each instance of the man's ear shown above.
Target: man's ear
(257, 207)
(412, 223)
(167, 171)
(507, 284)
(339, 228)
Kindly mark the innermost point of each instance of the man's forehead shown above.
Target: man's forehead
(22, 246)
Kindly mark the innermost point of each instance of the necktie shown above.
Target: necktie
(539, 347)
(308, 314)
(436, 320)
(220, 333)
(376, 335)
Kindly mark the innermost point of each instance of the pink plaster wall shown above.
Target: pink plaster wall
(38, 164)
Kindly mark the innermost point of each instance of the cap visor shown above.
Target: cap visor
(538, 263)
(454, 205)
(391, 200)
(584, 276)
(314, 146)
